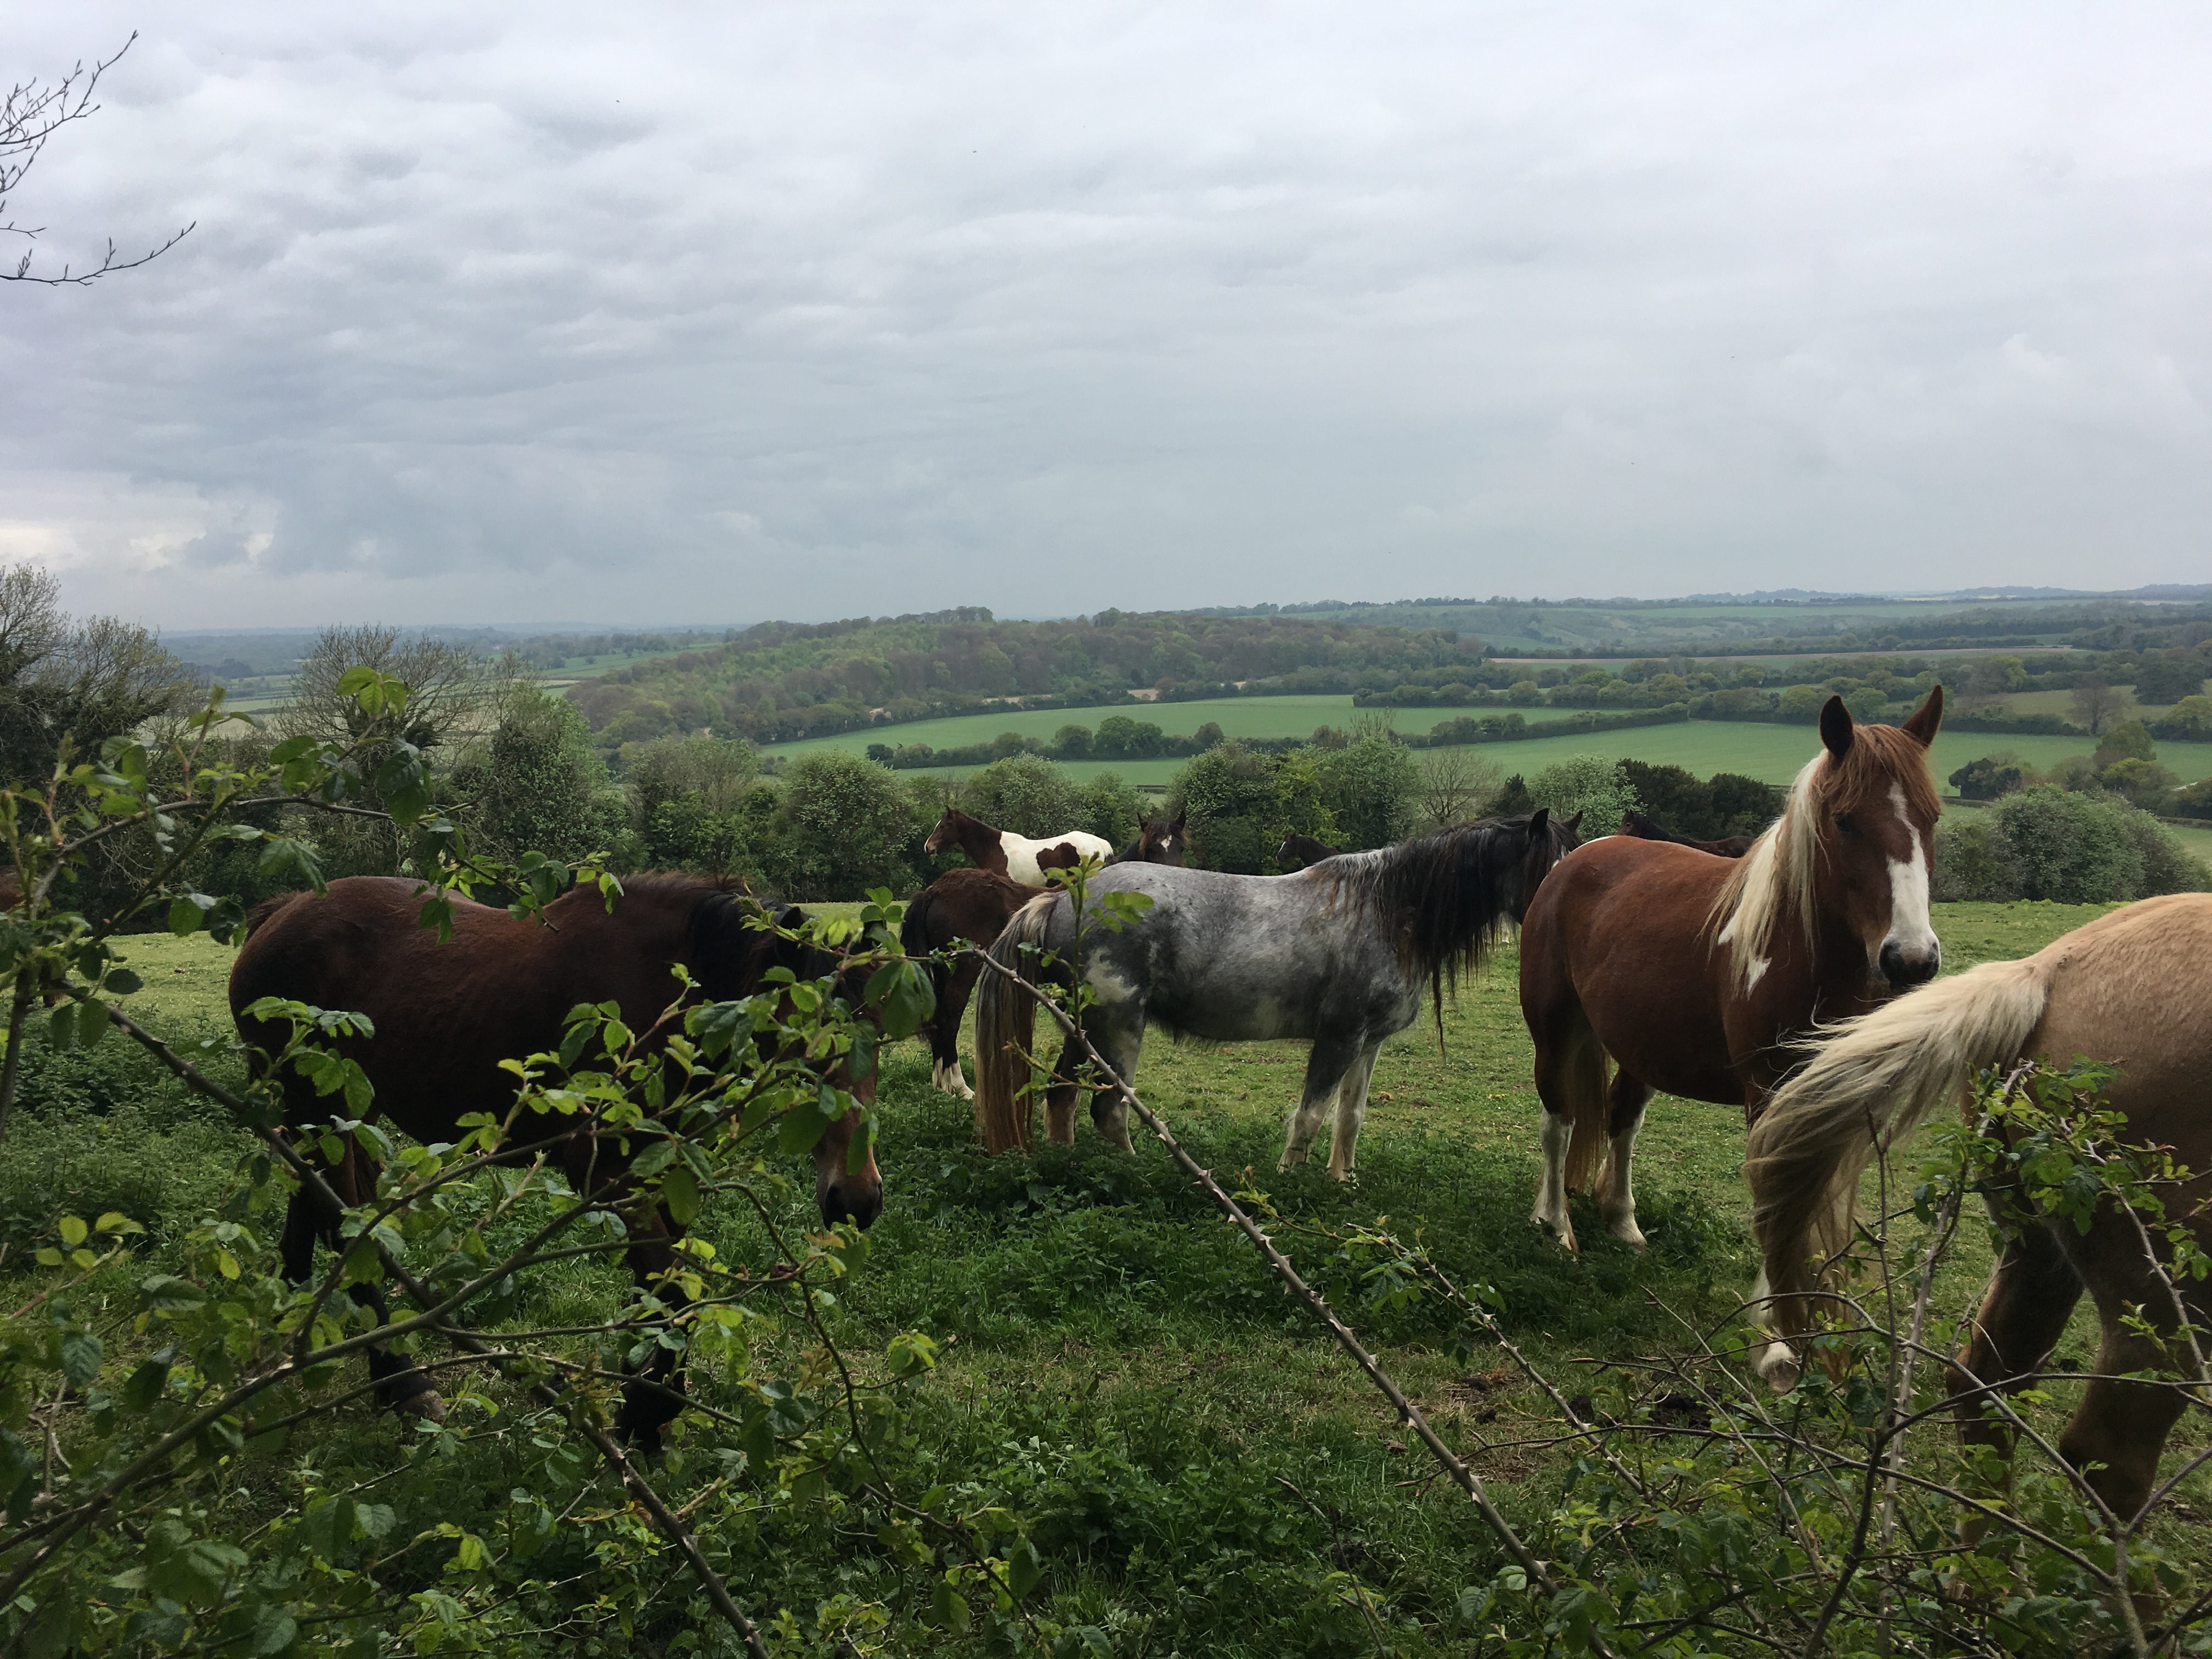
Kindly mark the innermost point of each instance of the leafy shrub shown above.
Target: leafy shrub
(1241, 804)
(1024, 793)
(2061, 845)
(1592, 785)
(1371, 787)
(1988, 778)
(844, 826)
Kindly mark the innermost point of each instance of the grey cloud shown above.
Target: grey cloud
(795, 311)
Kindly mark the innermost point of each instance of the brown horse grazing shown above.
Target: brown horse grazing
(1298, 852)
(1700, 977)
(1006, 854)
(960, 907)
(2128, 989)
(1642, 829)
(446, 1015)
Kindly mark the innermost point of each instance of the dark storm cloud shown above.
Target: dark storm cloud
(674, 313)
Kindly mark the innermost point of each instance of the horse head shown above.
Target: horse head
(1871, 810)
(1547, 840)
(1165, 841)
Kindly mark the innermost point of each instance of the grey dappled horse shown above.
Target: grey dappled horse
(1338, 954)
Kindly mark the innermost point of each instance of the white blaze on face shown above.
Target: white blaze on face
(1911, 932)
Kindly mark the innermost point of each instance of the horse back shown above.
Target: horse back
(445, 1013)
(1617, 936)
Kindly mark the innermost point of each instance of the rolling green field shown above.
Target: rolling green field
(1772, 752)
(1113, 1356)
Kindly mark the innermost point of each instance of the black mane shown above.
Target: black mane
(1450, 891)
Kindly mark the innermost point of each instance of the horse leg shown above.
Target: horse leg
(399, 1386)
(1571, 1079)
(1616, 1197)
(654, 1393)
(1120, 1044)
(2124, 1425)
(1060, 1092)
(1351, 1111)
(1326, 1067)
(2024, 1313)
(956, 986)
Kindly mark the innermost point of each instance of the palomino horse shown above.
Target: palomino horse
(1338, 954)
(1006, 854)
(1728, 846)
(446, 1015)
(1300, 852)
(1701, 976)
(973, 907)
(2128, 989)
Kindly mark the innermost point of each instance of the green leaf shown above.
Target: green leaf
(654, 1158)
(807, 1121)
(74, 1230)
(92, 1022)
(1024, 1569)
(81, 1357)
(680, 1192)
(948, 1609)
(166, 1293)
(123, 983)
(146, 1383)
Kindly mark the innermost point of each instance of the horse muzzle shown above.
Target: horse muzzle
(1905, 969)
(849, 1200)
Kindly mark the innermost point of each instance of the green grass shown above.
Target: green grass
(1773, 752)
(1118, 1361)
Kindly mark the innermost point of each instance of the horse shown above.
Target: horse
(1160, 840)
(963, 906)
(2128, 989)
(1635, 823)
(1339, 955)
(1006, 854)
(1701, 977)
(447, 1014)
(1300, 852)
(973, 907)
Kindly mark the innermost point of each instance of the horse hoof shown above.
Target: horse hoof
(1778, 1365)
(428, 1404)
(1630, 1235)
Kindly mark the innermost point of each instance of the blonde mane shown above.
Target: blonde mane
(1774, 880)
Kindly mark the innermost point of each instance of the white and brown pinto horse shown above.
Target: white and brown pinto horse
(1703, 976)
(1015, 857)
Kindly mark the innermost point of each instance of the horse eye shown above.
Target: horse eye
(1847, 824)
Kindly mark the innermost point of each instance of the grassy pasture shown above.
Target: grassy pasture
(1115, 1357)
(1755, 750)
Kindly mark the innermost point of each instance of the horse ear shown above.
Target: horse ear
(1539, 821)
(1573, 826)
(791, 917)
(1836, 727)
(1921, 728)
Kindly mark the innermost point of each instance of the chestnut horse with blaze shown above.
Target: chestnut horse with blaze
(499, 988)
(1702, 976)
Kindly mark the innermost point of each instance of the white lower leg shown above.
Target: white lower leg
(948, 1079)
(1616, 1196)
(1351, 1113)
(1305, 1124)
(1776, 1361)
(1551, 1209)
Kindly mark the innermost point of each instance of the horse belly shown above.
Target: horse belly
(1663, 1030)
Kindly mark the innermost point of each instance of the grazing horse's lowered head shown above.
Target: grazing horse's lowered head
(1298, 852)
(1642, 829)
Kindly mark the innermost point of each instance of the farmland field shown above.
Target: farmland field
(1110, 1347)
(1756, 750)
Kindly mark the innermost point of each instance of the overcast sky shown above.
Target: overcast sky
(711, 314)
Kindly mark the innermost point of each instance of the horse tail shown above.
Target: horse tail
(1005, 1028)
(1873, 1081)
(1585, 1079)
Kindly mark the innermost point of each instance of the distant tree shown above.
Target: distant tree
(1988, 778)
(2097, 702)
(1025, 793)
(451, 691)
(1241, 805)
(1593, 785)
(2125, 740)
(1456, 784)
(88, 680)
(1372, 788)
(2140, 782)
(845, 826)
(31, 114)
(538, 784)
(2192, 718)
(1071, 742)
(2166, 676)
(1995, 677)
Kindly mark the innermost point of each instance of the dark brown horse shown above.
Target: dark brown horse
(1701, 977)
(447, 1014)
(1298, 852)
(973, 907)
(1642, 829)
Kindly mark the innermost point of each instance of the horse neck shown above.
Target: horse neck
(985, 848)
